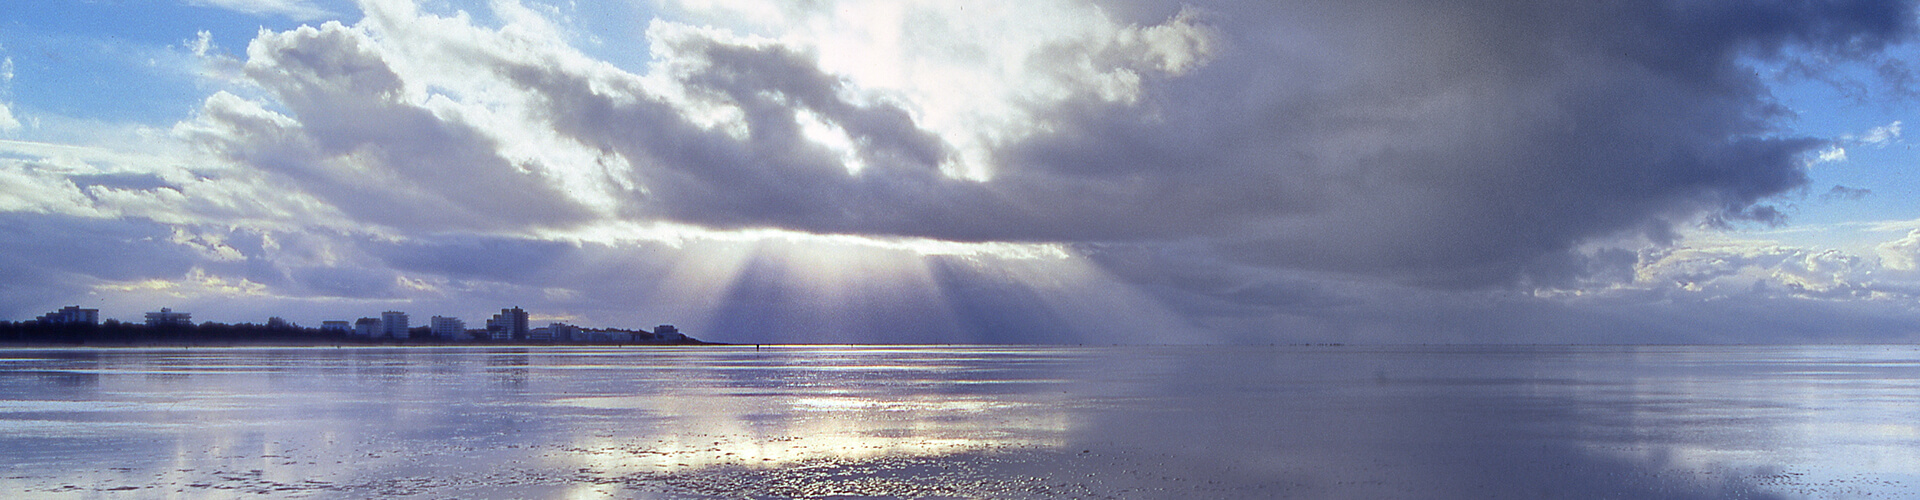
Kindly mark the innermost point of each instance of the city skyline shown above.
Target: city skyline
(74, 314)
(77, 325)
(1055, 172)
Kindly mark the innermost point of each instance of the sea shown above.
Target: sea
(775, 422)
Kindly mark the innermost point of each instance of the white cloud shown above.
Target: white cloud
(298, 10)
(1901, 254)
(25, 189)
(201, 43)
(1881, 136)
(7, 121)
(1833, 153)
(1877, 137)
(366, 139)
(92, 182)
(980, 76)
(1738, 269)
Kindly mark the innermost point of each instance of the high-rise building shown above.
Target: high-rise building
(510, 324)
(71, 315)
(166, 317)
(393, 324)
(366, 327)
(445, 328)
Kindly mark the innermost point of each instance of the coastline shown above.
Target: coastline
(183, 344)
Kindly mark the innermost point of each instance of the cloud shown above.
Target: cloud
(298, 10)
(1832, 154)
(97, 182)
(1445, 149)
(1764, 270)
(1448, 153)
(1901, 254)
(979, 77)
(48, 258)
(362, 145)
(1881, 136)
(7, 122)
(1839, 192)
(1349, 169)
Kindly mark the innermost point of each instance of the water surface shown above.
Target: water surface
(962, 422)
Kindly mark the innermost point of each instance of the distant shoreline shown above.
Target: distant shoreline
(119, 334)
(687, 342)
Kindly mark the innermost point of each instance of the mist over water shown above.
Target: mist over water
(963, 422)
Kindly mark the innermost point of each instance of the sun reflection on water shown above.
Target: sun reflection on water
(827, 408)
(962, 422)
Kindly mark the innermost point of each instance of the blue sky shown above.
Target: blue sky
(1056, 171)
(81, 59)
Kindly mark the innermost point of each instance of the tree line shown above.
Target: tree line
(115, 332)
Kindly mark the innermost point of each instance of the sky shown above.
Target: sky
(1050, 171)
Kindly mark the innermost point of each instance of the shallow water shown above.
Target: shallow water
(962, 422)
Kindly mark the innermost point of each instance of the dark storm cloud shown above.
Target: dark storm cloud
(342, 282)
(1467, 143)
(44, 258)
(100, 248)
(1458, 144)
(488, 258)
(1450, 143)
(1731, 294)
(533, 262)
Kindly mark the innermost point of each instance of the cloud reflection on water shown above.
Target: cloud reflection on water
(977, 422)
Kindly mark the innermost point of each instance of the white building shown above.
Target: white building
(394, 324)
(339, 326)
(446, 328)
(366, 327)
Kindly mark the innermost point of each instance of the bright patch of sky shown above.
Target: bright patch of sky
(1870, 172)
